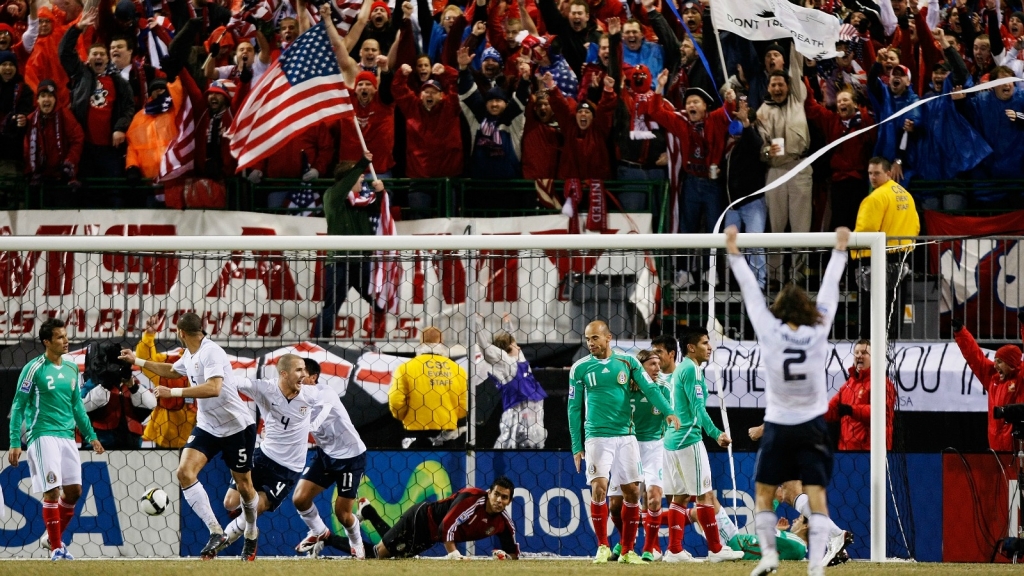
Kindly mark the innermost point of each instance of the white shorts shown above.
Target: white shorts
(53, 462)
(652, 454)
(687, 471)
(617, 459)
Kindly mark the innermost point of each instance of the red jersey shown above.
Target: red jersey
(1000, 392)
(286, 161)
(100, 130)
(377, 121)
(703, 143)
(584, 152)
(463, 517)
(855, 429)
(433, 137)
(542, 144)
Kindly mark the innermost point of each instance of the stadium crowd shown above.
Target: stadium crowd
(541, 90)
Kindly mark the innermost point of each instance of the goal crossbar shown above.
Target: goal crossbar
(875, 241)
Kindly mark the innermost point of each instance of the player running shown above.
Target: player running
(224, 426)
(795, 445)
(339, 458)
(601, 382)
(687, 468)
(49, 403)
(285, 405)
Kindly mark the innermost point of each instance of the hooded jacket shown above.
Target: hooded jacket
(1000, 392)
(855, 429)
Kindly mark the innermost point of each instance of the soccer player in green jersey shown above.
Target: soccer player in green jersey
(49, 402)
(687, 469)
(648, 427)
(601, 382)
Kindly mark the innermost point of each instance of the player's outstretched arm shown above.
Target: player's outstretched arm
(760, 317)
(161, 369)
(828, 296)
(209, 389)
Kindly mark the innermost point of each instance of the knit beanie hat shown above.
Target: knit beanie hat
(367, 76)
(1010, 355)
(8, 56)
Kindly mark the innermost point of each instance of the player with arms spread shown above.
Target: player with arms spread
(223, 426)
(795, 445)
(601, 382)
(285, 405)
(687, 468)
(49, 402)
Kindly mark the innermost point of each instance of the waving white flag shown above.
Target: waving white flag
(814, 32)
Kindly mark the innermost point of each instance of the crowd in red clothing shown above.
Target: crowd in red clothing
(542, 90)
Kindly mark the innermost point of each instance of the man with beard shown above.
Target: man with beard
(213, 154)
(103, 103)
(15, 106)
(575, 33)
(53, 143)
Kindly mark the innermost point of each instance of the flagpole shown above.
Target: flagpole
(362, 142)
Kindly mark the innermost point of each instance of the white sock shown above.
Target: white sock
(312, 519)
(802, 504)
(764, 525)
(199, 500)
(249, 513)
(355, 538)
(235, 528)
(726, 528)
(818, 535)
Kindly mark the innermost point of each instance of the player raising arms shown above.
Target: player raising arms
(49, 402)
(687, 468)
(223, 426)
(285, 405)
(795, 445)
(601, 382)
(339, 458)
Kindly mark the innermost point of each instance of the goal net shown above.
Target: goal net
(363, 308)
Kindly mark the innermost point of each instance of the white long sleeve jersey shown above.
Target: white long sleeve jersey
(796, 391)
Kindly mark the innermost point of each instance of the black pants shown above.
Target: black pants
(895, 295)
(846, 196)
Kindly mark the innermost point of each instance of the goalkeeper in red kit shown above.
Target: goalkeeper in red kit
(468, 515)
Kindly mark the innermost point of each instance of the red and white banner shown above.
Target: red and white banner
(982, 276)
(261, 296)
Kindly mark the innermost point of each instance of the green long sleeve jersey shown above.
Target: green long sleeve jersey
(603, 386)
(688, 397)
(49, 402)
(648, 421)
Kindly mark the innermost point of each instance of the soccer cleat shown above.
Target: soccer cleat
(836, 544)
(61, 554)
(358, 552)
(725, 554)
(767, 565)
(44, 543)
(311, 540)
(216, 543)
(657, 555)
(616, 552)
(647, 557)
(815, 570)
(679, 557)
(249, 549)
(360, 506)
(603, 554)
(630, 557)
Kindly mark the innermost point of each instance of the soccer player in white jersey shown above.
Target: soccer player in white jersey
(795, 445)
(339, 458)
(224, 426)
(285, 405)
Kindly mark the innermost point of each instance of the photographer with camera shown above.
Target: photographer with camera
(116, 403)
(1001, 378)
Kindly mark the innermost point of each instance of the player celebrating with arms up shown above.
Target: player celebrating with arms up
(795, 445)
(601, 381)
(223, 426)
(49, 402)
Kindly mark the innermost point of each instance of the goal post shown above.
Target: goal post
(472, 243)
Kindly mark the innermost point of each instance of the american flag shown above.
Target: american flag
(387, 269)
(264, 10)
(179, 158)
(304, 87)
